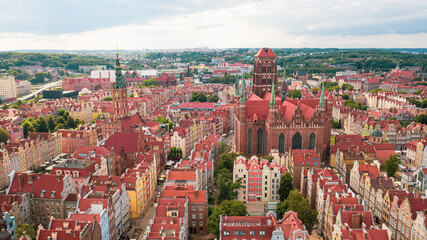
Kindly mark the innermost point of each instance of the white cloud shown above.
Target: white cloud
(290, 23)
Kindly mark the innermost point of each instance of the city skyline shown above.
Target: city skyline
(166, 24)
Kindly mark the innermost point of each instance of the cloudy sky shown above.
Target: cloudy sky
(165, 24)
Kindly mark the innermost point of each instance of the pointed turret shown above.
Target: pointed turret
(236, 88)
(119, 77)
(243, 91)
(322, 97)
(273, 97)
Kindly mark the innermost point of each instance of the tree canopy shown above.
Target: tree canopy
(295, 94)
(392, 165)
(295, 202)
(27, 228)
(226, 208)
(286, 186)
(4, 135)
(175, 154)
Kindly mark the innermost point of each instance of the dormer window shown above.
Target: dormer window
(42, 193)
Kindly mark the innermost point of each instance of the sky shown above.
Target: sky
(175, 24)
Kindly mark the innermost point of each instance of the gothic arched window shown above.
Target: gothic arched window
(312, 142)
(282, 143)
(297, 141)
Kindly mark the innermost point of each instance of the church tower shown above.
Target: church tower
(265, 72)
(120, 102)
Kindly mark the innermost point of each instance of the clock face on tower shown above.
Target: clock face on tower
(124, 94)
(116, 95)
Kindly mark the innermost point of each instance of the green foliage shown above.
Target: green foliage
(40, 76)
(418, 92)
(377, 90)
(295, 94)
(355, 105)
(27, 228)
(213, 98)
(226, 208)
(420, 104)
(347, 86)
(224, 148)
(331, 86)
(198, 97)
(107, 99)
(224, 175)
(163, 120)
(345, 97)
(392, 165)
(41, 125)
(404, 123)
(286, 186)
(336, 124)
(4, 135)
(295, 202)
(69, 61)
(422, 118)
(315, 90)
(150, 82)
(4, 107)
(175, 154)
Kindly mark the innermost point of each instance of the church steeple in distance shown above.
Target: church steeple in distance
(120, 83)
(273, 97)
(243, 91)
(236, 88)
(322, 96)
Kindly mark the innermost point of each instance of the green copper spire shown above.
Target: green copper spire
(322, 97)
(236, 88)
(120, 83)
(242, 91)
(273, 97)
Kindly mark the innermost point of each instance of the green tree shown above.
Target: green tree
(345, 97)
(198, 97)
(212, 98)
(175, 154)
(163, 120)
(4, 107)
(41, 125)
(226, 208)
(392, 165)
(336, 124)
(286, 186)
(295, 202)
(4, 135)
(422, 118)
(295, 94)
(59, 120)
(225, 185)
(70, 123)
(50, 123)
(27, 126)
(347, 86)
(61, 112)
(59, 126)
(315, 90)
(107, 99)
(224, 148)
(27, 228)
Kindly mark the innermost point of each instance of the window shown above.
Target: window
(251, 233)
(226, 233)
(236, 233)
(200, 223)
(242, 233)
(201, 208)
(262, 233)
(193, 208)
(200, 215)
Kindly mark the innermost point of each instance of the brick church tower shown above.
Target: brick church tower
(120, 102)
(265, 72)
(265, 121)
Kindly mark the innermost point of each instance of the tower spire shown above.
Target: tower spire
(273, 97)
(236, 88)
(322, 96)
(119, 78)
(242, 91)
